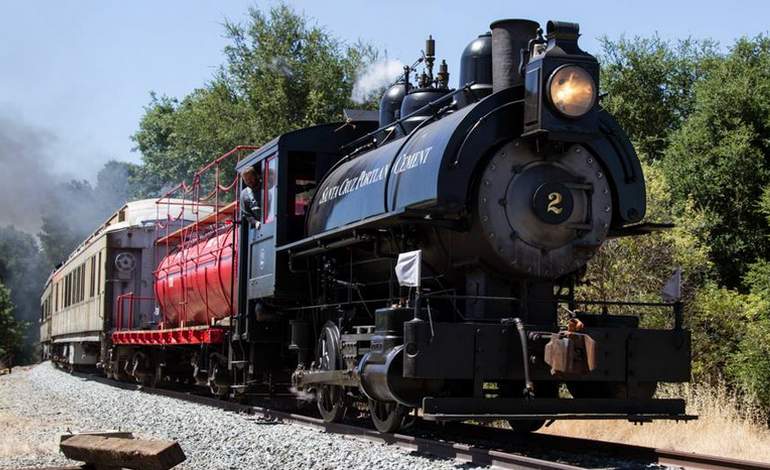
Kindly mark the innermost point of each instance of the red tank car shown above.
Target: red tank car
(194, 284)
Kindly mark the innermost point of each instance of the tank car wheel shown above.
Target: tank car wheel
(154, 379)
(387, 416)
(216, 376)
(139, 368)
(330, 398)
(120, 373)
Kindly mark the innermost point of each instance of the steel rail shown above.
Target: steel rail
(458, 451)
(461, 451)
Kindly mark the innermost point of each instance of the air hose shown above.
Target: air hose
(529, 387)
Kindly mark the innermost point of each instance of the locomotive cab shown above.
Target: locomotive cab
(289, 169)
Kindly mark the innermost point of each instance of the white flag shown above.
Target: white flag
(408, 268)
(672, 291)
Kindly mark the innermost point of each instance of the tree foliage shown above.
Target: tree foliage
(703, 119)
(281, 73)
(23, 272)
(637, 268)
(10, 328)
(719, 157)
(649, 84)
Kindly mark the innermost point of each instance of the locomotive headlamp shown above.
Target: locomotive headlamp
(571, 90)
(561, 84)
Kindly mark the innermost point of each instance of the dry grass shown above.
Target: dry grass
(727, 426)
(15, 442)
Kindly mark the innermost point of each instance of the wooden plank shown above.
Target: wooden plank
(123, 434)
(123, 453)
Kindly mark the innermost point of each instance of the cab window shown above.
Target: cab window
(270, 190)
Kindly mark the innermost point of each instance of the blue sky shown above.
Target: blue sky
(81, 70)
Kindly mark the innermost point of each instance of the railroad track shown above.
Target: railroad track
(494, 447)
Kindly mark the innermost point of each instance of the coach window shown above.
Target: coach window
(76, 294)
(99, 274)
(270, 181)
(92, 269)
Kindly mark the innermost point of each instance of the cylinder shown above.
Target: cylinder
(509, 37)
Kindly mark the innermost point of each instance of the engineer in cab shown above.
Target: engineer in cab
(249, 201)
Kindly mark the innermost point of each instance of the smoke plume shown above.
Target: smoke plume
(377, 76)
(30, 191)
(25, 181)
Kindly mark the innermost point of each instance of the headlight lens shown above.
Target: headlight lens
(572, 90)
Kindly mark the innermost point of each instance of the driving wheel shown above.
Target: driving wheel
(330, 398)
(387, 416)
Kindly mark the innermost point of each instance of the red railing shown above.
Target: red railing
(120, 311)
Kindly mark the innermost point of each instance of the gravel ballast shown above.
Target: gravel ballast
(39, 403)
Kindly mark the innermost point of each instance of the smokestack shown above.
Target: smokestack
(509, 37)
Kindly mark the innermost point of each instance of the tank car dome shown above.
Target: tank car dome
(390, 103)
(476, 64)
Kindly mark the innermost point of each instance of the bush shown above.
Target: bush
(10, 329)
(749, 367)
(636, 268)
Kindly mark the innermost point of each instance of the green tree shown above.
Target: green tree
(23, 273)
(636, 268)
(68, 217)
(719, 157)
(10, 328)
(281, 73)
(649, 85)
(748, 366)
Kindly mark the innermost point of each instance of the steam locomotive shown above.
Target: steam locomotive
(423, 257)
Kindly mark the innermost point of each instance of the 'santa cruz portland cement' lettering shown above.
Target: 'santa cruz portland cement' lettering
(402, 164)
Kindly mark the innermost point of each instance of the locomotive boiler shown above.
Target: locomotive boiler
(422, 258)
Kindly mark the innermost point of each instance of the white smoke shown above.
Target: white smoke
(25, 177)
(378, 75)
(302, 395)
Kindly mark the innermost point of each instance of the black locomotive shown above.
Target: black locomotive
(501, 191)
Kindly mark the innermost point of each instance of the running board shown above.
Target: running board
(488, 409)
